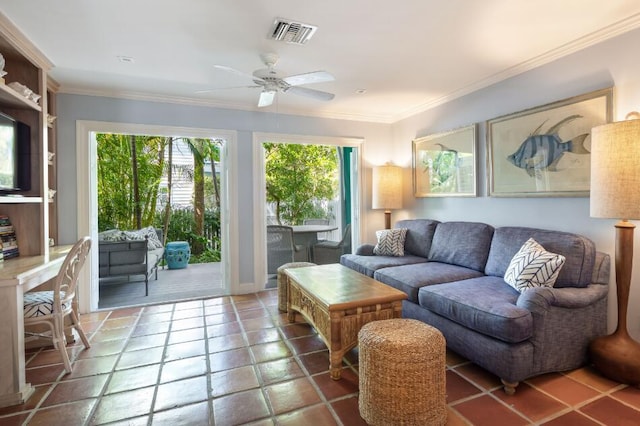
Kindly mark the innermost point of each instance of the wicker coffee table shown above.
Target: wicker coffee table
(338, 301)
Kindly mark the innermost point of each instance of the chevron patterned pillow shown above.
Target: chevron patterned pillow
(533, 266)
(390, 242)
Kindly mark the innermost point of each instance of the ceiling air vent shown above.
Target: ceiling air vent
(291, 32)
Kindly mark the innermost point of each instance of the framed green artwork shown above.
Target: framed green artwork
(444, 164)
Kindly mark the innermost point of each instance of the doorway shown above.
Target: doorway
(87, 196)
(348, 210)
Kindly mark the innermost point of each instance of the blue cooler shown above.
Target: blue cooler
(177, 254)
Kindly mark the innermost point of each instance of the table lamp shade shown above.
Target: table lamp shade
(387, 187)
(615, 170)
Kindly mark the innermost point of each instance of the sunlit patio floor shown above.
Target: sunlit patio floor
(199, 280)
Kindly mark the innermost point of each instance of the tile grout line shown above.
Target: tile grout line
(254, 364)
(306, 372)
(115, 364)
(58, 379)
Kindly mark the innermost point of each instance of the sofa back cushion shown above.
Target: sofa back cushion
(579, 252)
(462, 243)
(419, 235)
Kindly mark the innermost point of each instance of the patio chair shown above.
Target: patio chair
(51, 307)
(317, 221)
(330, 251)
(281, 248)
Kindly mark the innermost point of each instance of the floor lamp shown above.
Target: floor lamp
(387, 190)
(615, 193)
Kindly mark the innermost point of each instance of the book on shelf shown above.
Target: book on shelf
(8, 239)
(6, 229)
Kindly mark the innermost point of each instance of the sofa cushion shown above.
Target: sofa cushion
(367, 265)
(419, 235)
(533, 266)
(410, 278)
(390, 242)
(462, 243)
(485, 304)
(579, 253)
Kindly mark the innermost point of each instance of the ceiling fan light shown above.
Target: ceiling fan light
(266, 98)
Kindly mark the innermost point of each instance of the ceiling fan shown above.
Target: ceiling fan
(272, 81)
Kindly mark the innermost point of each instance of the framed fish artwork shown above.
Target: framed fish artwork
(444, 164)
(545, 151)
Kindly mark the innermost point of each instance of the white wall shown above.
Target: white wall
(608, 64)
(612, 63)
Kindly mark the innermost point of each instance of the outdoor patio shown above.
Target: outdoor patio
(200, 280)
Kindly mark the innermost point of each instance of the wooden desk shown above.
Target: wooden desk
(338, 301)
(17, 276)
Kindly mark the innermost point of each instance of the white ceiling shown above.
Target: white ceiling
(409, 55)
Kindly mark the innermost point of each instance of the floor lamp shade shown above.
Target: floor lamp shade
(615, 193)
(615, 170)
(387, 190)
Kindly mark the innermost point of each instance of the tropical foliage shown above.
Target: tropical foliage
(298, 177)
(130, 170)
(126, 163)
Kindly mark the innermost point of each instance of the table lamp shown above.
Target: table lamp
(615, 193)
(387, 190)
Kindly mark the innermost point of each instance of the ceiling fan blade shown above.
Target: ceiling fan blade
(310, 93)
(237, 72)
(308, 78)
(266, 98)
(226, 88)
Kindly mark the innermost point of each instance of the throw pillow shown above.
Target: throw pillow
(154, 241)
(533, 266)
(390, 242)
(110, 235)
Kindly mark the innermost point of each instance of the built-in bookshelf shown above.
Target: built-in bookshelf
(30, 211)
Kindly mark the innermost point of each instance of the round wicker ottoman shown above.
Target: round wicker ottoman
(282, 285)
(402, 373)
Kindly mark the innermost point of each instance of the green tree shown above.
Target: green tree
(117, 200)
(297, 176)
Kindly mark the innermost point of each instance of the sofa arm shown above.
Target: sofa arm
(365, 250)
(541, 298)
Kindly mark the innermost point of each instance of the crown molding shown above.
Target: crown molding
(149, 97)
(22, 44)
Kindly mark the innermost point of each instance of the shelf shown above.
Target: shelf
(8, 199)
(11, 98)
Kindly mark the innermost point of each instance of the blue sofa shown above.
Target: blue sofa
(453, 274)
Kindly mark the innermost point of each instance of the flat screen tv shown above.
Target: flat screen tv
(15, 155)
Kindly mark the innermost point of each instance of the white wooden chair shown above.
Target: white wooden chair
(51, 307)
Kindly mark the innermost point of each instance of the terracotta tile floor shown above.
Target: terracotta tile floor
(236, 360)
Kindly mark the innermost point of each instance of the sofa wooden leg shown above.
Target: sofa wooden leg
(509, 387)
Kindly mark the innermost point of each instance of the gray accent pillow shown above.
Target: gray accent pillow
(390, 242)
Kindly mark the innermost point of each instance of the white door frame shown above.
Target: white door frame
(86, 166)
(259, 212)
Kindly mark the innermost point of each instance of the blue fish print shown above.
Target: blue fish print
(543, 151)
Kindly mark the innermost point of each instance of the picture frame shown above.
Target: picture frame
(444, 164)
(545, 151)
